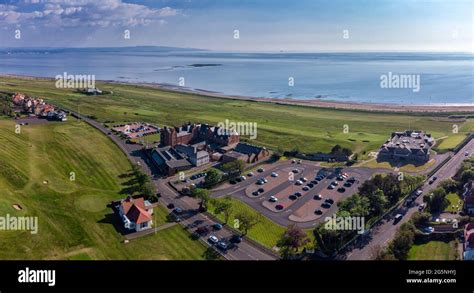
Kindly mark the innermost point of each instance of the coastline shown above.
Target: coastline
(338, 105)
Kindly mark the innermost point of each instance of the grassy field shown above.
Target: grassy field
(410, 168)
(450, 142)
(74, 221)
(307, 128)
(266, 232)
(433, 250)
(454, 202)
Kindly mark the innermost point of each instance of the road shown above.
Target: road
(246, 250)
(382, 234)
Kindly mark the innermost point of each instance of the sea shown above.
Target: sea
(383, 78)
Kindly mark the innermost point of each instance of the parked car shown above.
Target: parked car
(347, 184)
(299, 161)
(310, 185)
(340, 178)
(236, 239)
(421, 207)
(397, 218)
(329, 200)
(341, 189)
(318, 197)
(255, 193)
(222, 245)
(326, 205)
(295, 171)
(428, 230)
(273, 199)
(303, 179)
(279, 207)
(203, 230)
(351, 180)
(305, 188)
(314, 182)
(298, 194)
(260, 182)
(243, 178)
(433, 180)
(331, 186)
(274, 174)
(178, 211)
(318, 212)
(299, 182)
(265, 180)
(250, 174)
(293, 197)
(293, 161)
(466, 154)
(418, 192)
(261, 190)
(213, 239)
(260, 170)
(217, 226)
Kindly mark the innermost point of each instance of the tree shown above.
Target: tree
(203, 195)
(212, 178)
(356, 205)
(402, 242)
(436, 201)
(377, 202)
(246, 220)
(292, 240)
(224, 207)
(421, 219)
(237, 166)
(328, 241)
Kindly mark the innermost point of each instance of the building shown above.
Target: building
(469, 199)
(194, 133)
(169, 161)
(195, 156)
(468, 246)
(136, 213)
(252, 153)
(410, 145)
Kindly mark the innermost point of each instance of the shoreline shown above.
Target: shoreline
(327, 104)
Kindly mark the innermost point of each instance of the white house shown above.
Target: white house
(136, 213)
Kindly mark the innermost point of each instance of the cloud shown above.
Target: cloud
(74, 13)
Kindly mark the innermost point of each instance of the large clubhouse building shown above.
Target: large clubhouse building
(410, 145)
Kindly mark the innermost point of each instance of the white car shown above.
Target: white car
(299, 182)
(273, 199)
(304, 179)
(243, 177)
(428, 230)
(265, 180)
(274, 174)
(213, 239)
(418, 192)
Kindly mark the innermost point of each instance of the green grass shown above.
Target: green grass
(266, 232)
(74, 221)
(453, 200)
(450, 142)
(433, 250)
(308, 128)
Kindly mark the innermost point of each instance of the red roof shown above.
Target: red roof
(134, 209)
(129, 202)
(139, 215)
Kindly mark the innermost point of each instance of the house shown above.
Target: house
(468, 247)
(136, 213)
(169, 161)
(195, 156)
(410, 145)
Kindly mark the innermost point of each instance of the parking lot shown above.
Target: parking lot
(297, 192)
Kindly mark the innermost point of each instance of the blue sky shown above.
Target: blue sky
(263, 25)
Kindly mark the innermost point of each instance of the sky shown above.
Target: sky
(261, 25)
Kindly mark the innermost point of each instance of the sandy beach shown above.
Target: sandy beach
(434, 108)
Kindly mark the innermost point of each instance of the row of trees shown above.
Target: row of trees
(243, 220)
(140, 183)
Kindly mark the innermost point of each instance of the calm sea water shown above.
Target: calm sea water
(355, 77)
